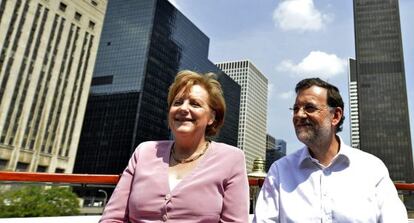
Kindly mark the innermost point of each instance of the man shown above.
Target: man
(326, 181)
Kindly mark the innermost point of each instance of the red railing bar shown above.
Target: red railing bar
(59, 178)
(108, 179)
(404, 186)
(256, 181)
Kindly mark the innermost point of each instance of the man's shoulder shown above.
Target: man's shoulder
(354, 153)
(363, 159)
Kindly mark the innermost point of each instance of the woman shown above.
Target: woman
(190, 179)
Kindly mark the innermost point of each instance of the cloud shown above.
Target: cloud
(317, 63)
(300, 15)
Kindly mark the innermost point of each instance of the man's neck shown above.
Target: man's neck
(324, 152)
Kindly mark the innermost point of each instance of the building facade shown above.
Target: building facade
(143, 46)
(270, 142)
(281, 145)
(353, 104)
(275, 149)
(384, 128)
(253, 108)
(48, 52)
(275, 153)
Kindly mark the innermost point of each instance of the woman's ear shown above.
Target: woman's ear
(212, 118)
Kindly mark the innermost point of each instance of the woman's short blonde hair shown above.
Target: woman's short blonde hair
(186, 79)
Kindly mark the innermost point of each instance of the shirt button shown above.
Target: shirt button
(165, 217)
(168, 197)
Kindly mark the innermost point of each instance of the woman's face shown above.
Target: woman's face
(190, 114)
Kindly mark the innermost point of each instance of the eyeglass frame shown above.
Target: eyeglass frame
(314, 108)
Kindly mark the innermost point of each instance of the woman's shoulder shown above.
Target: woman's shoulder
(152, 146)
(227, 158)
(155, 143)
(223, 148)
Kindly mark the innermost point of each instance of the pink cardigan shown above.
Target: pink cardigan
(216, 190)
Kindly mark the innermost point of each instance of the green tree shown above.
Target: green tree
(35, 201)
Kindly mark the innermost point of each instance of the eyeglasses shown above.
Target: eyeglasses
(308, 108)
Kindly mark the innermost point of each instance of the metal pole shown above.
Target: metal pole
(105, 198)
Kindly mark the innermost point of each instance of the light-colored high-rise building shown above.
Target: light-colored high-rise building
(253, 108)
(48, 51)
(353, 104)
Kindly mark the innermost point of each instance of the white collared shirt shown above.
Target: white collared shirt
(355, 187)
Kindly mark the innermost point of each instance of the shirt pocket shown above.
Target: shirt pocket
(358, 206)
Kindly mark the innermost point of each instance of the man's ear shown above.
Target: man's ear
(337, 116)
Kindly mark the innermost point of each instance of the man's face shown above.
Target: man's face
(312, 117)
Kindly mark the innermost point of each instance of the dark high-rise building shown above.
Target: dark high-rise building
(271, 156)
(275, 150)
(270, 142)
(143, 46)
(281, 145)
(384, 128)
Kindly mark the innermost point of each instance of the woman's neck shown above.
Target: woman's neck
(188, 146)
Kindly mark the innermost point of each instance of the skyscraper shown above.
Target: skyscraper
(272, 155)
(270, 142)
(48, 51)
(143, 46)
(384, 127)
(353, 104)
(253, 108)
(281, 145)
(275, 150)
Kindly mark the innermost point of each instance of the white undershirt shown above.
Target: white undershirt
(173, 181)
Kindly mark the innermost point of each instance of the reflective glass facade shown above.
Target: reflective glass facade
(143, 46)
(384, 128)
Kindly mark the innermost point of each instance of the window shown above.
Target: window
(91, 25)
(59, 170)
(78, 16)
(62, 7)
(41, 169)
(22, 167)
(3, 164)
(94, 3)
(102, 80)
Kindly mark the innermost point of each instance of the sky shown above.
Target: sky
(288, 40)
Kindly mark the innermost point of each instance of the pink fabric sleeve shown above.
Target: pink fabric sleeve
(117, 208)
(236, 192)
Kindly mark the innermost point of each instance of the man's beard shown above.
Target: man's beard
(313, 133)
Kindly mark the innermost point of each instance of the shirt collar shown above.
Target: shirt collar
(343, 154)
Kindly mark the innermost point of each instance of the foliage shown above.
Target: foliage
(36, 201)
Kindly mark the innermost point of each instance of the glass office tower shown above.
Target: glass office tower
(384, 128)
(143, 45)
